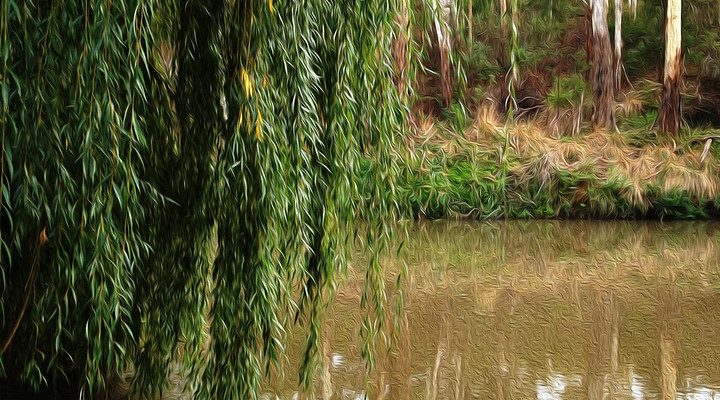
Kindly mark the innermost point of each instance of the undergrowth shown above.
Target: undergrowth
(453, 170)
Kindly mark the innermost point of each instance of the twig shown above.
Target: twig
(706, 150)
(29, 286)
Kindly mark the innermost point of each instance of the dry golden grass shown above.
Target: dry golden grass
(688, 173)
(632, 103)
(561, 121)
(423, 128)
(646, 91)
(539, 156)
(430, 135)
(428, 132)
(486, 123)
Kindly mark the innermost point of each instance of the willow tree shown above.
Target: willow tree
(502, 5)
(601, 72)
(177, 178)
(401, 48)
(513, 74)
(669, 117)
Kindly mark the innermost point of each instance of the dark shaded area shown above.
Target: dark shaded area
(14, 390)
(703, 108)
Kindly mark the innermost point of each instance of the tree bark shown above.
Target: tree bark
(618, 44)
(601, 73)
(443, 48)
(669, 118)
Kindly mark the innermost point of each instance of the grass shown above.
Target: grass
(453, 171)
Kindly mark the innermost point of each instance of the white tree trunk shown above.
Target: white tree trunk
(672, 71)
(673, 38)
(601, 72)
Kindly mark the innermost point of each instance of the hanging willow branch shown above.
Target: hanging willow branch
(513, 74)
(193, 164)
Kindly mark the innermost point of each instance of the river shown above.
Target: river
(531, 310)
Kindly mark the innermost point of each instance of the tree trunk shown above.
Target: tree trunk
(618, 44)
(444, 50)
(601, 73)
(669, 119)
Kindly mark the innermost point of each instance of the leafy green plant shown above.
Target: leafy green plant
(480, 62)
(567, 91)
(457, 116)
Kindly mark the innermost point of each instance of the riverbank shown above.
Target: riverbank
(630, 174)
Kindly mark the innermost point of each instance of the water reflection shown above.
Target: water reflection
(544, 310)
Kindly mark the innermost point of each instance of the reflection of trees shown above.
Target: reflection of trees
(505, 368)
(450, 347)
(327, 384)
(477, 298)
(603, 346)
(444, 378)
(400, 361)
(520, 248)
(669, 332)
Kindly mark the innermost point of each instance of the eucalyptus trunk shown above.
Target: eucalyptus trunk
(670, 113)
(601, 73)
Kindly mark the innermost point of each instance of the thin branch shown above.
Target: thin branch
(29, 286)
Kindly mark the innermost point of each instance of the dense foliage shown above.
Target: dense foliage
(176, 183)
(542, 45)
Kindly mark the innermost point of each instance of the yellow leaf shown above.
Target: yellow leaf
(247, 83)
(258, 128)
(43, 237)
(270, 5)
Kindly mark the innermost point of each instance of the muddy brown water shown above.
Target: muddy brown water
(532, 310)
